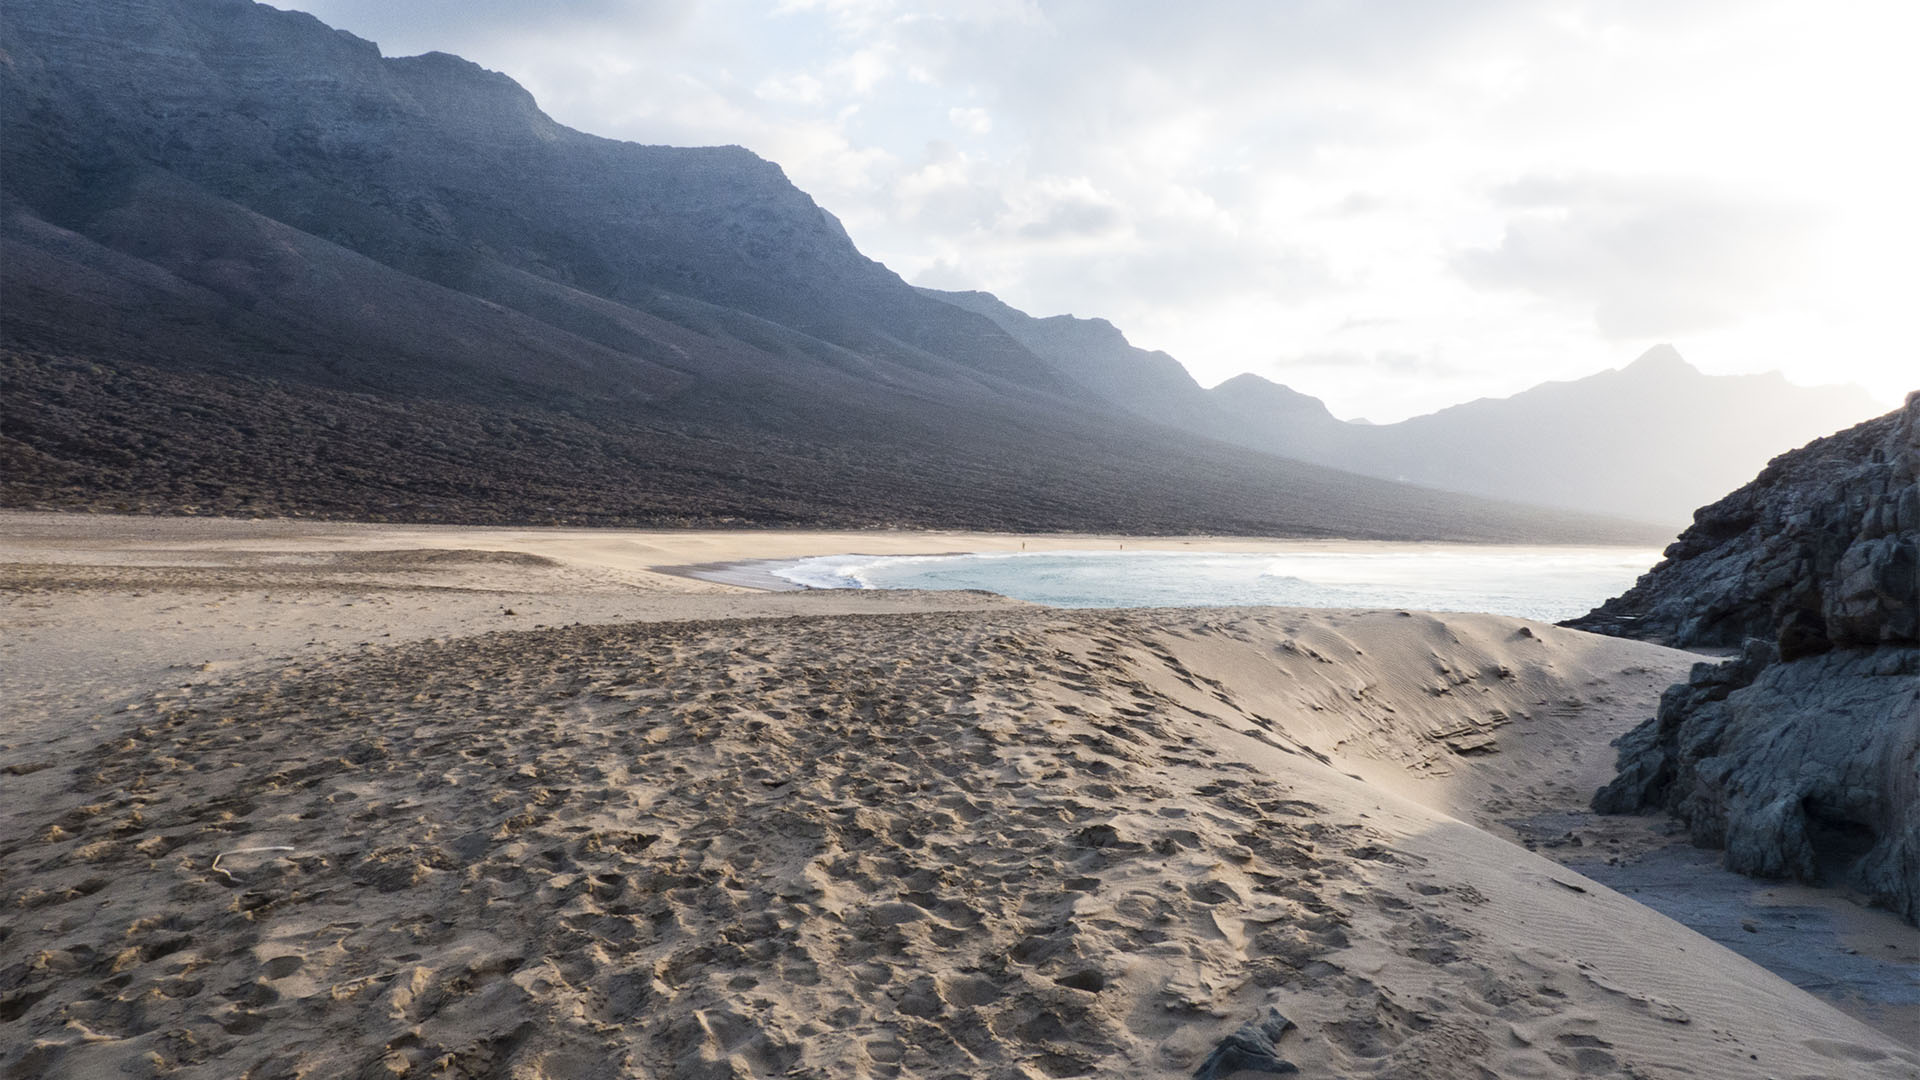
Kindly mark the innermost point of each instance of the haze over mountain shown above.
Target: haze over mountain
(1651, 441)
(253, 266)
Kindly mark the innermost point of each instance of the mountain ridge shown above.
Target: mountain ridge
(213, 209)
(1658, 422)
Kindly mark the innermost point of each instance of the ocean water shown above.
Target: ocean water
(1544, 583)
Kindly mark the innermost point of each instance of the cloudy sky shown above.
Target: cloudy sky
(1394, 205)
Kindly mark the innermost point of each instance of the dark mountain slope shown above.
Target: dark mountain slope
(250, 263)
(535, 423)
(1280, 418)
(438, 168)
(190, 279)
(133, 437)
(1096, 356)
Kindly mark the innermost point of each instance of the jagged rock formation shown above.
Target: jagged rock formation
(1817, 551)
(253, 266)
(1801, 757)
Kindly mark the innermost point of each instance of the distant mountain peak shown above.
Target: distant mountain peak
(1248, 391)
(1662, 359)
(1249, 381)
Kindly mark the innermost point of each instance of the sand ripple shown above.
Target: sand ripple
(1002, 844)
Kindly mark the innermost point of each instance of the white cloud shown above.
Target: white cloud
(865, 69)
(1243, 182)
(1069, 210)
(973, 121)
(1647, 258)
(796, 89)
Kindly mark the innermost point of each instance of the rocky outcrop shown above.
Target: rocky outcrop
(1818, 551)
(1802, 756)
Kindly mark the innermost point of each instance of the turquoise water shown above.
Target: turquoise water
(1545, 583)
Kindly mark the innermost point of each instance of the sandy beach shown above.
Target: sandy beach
(293, 799)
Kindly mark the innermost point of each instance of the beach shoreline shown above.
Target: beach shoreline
(744, 573)
(154, 674)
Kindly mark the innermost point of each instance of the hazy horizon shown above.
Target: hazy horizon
(1441, 406)
(1395, 208)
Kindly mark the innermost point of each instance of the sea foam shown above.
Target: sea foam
(1547, 583)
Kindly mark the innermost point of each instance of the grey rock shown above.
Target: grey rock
(1251, 1049)
(1801, 757)
(1822, 549)
(1809, 771)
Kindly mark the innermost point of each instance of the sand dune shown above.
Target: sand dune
(785, 837)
